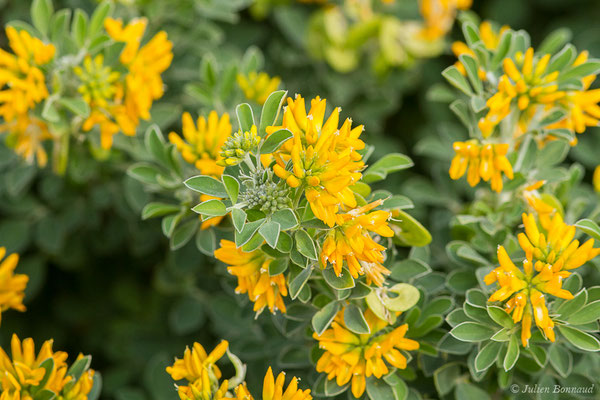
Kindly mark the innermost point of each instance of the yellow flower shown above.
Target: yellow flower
(544, 268)
(596, 179)
(544, 210)
(196, 391)
(26, 135)
(258, 86)
(439, 16)
(273, 389)
(526, 84)
(252, 271)
(196, 364)
(118, 106)
(350, 356)
(350, 240)
(557, 246)
(20, 73)
(81, 389)
(323, 157)
(582, 105)
(482, 161)
(490, 40)
(24, 370)
(201, 144)
(12, 286)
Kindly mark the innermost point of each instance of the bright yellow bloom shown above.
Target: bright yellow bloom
(21, 74)
(526, 85)
(596, 179)
(557, 246)
(324, 158)
(490, 40)
(258, 86)
(582, 105)
(544, 210)
(273, 389)
(81, 389)
(12, 286)
(201, 144)
(196, 364)
(439, 16)
(132, 96)
(196, 391)
(350, 356)
(350, 240)
(26, 135)
(482, 161)
(24, 370)
(252, 271)
(546, 265)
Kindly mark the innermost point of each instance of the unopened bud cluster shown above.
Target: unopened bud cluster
(264, 194)
(238, 146)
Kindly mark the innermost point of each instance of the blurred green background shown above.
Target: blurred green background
(105, 283)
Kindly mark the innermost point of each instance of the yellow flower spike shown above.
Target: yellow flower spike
(487, 162)
(439, 15)
(252, 271)
(12, 286)
(596, 179)
(352, 357)
(258, 86)
(196, 364)
(321, 155)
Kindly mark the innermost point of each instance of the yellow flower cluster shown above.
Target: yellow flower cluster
(481, 161)
(252, 271)
(596, 179)
(490, 39)
(23, 85)
(201, 143)
(324, 157)
(202, 374)
(439, 16)
(24, 371)
(350, 356)
(351, 241)
(118, 102)
(12, 286)
(549, 257)
(258, 86)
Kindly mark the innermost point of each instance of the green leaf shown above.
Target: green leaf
(332, 389)
(323, 318)
(589, 313)
(144, 172)
(589, 227)
(472, 69)
(79, 367)
(245, 117)
(278, 266)
(406, 296)
(247, 232)
(211, 208)
(378, 389)
(573, 305)
(183, 234)
(472, 332)
(286, 218)
(501, 50)
(409, 269)
(49, 111)
(232, 186)
(553, 153)
(386, 165)
(355, 320)
(411, 232)
(79, 27)
(580, 339)
(468, 391)
(297, 283)
(270, 232)
(561, 359)
(455, 78)
(487, 356)
(344, 281)
(512, 353)
(239, 218)
(156, 209)
(97, 21)
(270, 111)
(60, 25)
(580, 71)
(207, 185)
(206, 241)
(41, 12)
(561, 59)
(207, 70)
(554, 41)
(446, 377)
(77, 106)
(275, 140)
(45, 394)
(96, 389)
(500, 317)
(305, 245)
(186, 316)
(48, 365)
(471, 33)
